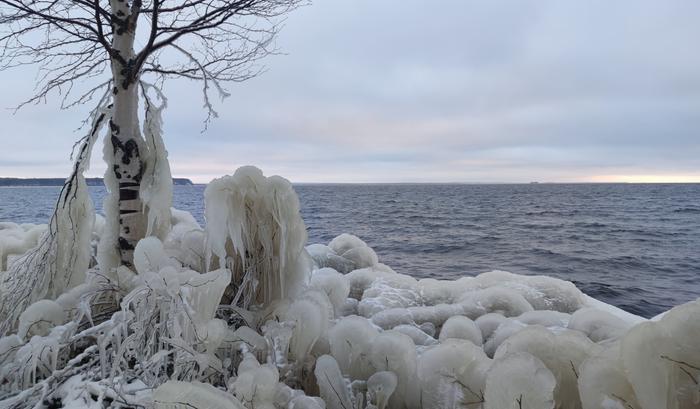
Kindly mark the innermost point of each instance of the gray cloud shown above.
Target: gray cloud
(437, 91)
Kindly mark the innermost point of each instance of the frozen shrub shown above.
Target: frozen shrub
(598, 325)
(418, 336)
(309, 324)
(323, 256)
(334, 284)
(602, 382)
(362, 279)
(461, 327)
(185, 241)
(494, 299)
(554, 320)
(350, 342)
(452, 375)
(149, 255)
(254, 228)
(505, 330)
(395, 352)
(488, 323)
(334, 390)
(256, 385)
(395, 291)
(393, 317)
(519, 381)
(39, 318)
(380, 387)
(352, 248)
(16, 239)
(435, 314)
(562, 354)
(662, 359)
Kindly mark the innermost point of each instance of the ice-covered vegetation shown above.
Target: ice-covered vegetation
(243, 314)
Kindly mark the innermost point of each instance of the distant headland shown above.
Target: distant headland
(59, 182)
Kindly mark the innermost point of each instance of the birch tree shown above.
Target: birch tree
(114, 50)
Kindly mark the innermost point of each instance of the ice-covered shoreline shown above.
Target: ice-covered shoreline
(326, 326)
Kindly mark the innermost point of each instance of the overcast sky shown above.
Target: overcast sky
(431, 91)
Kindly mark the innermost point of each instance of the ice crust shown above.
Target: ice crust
(325, 326)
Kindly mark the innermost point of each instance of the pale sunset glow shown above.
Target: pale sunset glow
(665, 178)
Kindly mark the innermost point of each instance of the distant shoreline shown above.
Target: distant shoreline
(47, 182)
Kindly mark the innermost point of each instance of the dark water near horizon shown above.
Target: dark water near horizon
(633, 246)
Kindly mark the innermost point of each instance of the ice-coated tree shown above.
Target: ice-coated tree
(119, 53)
(122, 48)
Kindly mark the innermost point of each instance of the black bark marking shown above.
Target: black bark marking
(115, 131)
(128, 184)
(128, 194)
(125, 245)
(131, 150)
(125, 211)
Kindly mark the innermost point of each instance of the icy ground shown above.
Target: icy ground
(243, 314)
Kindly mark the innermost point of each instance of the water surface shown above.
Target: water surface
(633, 246)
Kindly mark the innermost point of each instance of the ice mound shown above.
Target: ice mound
(519, 381)
(17, 239)
(254, 228)
(243, 314)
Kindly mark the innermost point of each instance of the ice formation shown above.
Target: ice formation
(257, 232)
(240, 314)
(519, 381)
(17, 239)
(62, 254)
(156, 190)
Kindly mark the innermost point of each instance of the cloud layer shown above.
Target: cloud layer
(408, 90)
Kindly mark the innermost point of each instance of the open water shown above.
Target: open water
(633, 246)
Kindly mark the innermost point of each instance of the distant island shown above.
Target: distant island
(59, 182)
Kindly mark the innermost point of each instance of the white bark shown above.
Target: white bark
(124, 210)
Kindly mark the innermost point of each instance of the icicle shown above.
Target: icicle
(63, 255)
(156, 189)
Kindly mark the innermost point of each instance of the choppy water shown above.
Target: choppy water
(634, 246)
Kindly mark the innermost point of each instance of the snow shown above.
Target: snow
(244, 314)
(187, 395)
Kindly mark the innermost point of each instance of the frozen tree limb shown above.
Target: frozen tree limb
(62, 257)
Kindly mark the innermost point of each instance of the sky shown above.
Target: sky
(442, 91)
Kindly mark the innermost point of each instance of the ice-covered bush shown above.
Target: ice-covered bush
(519, 381)
(255, 229)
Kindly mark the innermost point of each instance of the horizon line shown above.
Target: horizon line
(410, 182)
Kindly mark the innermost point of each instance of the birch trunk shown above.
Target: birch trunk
(125, 147)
